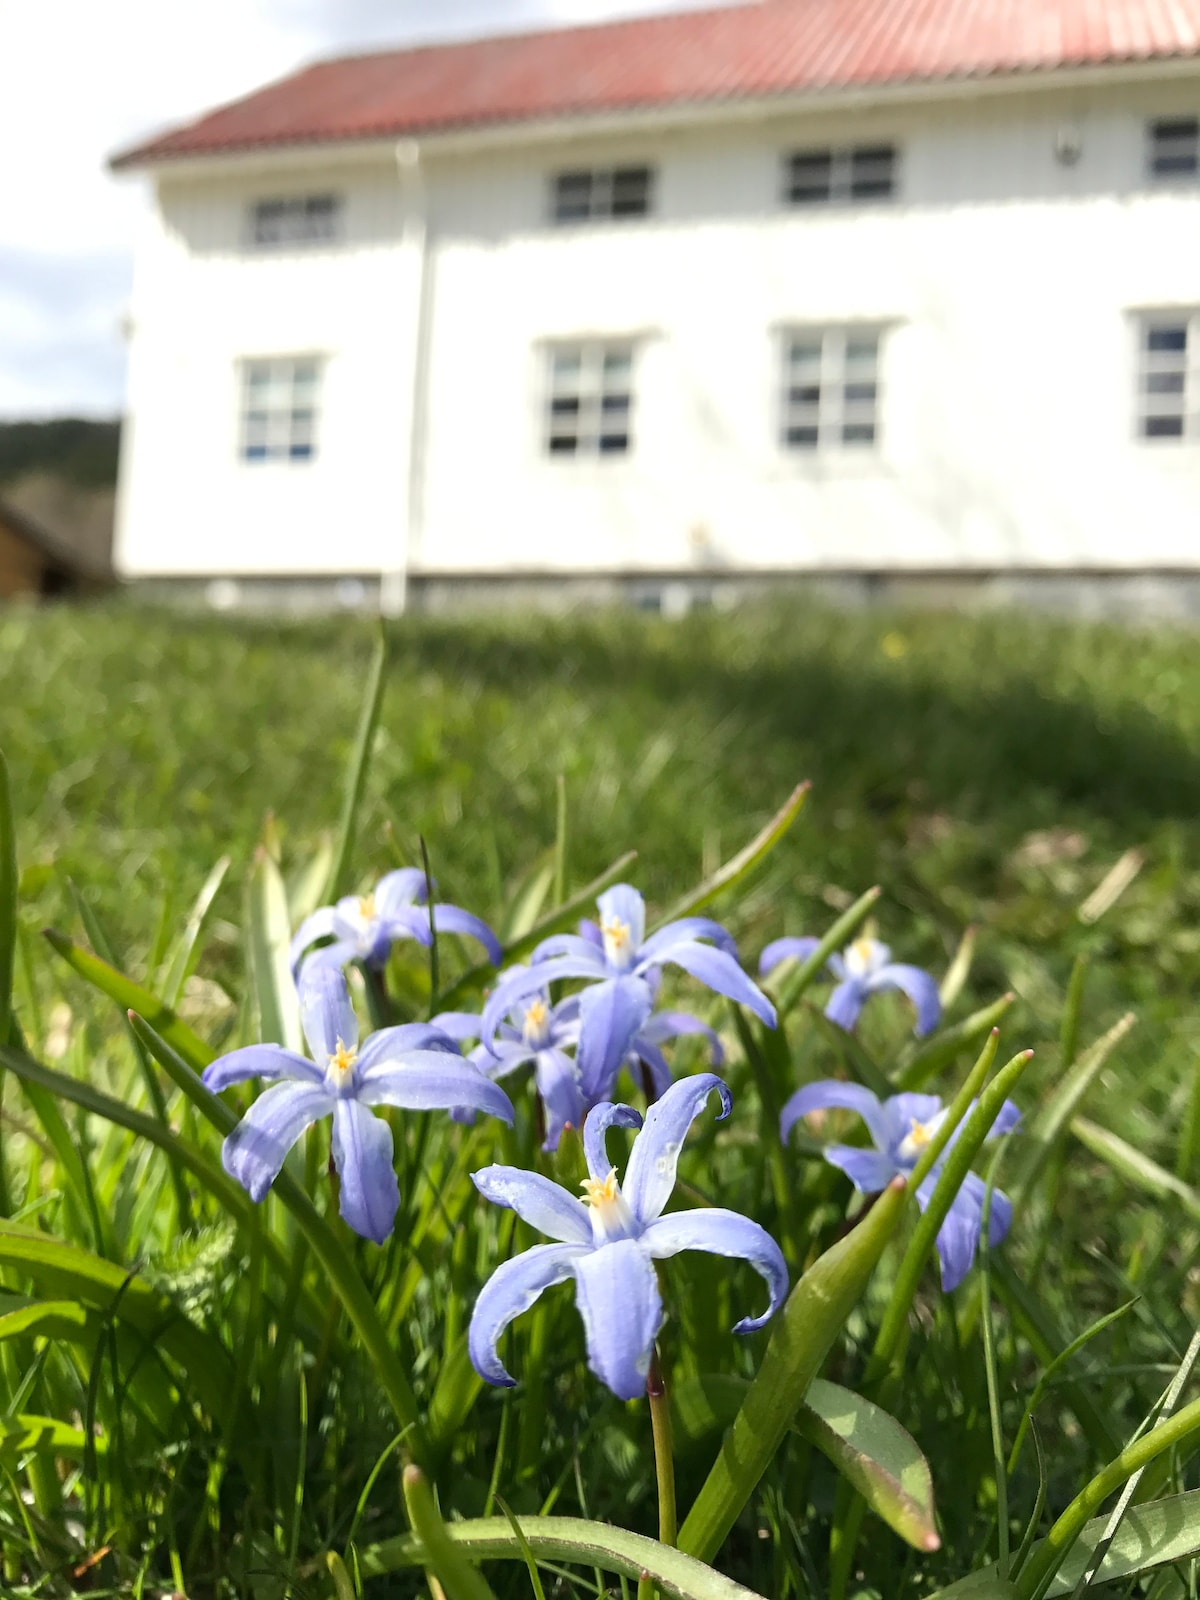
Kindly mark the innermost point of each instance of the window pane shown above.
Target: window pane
(613, 443)
(1164, 337)
(862, 350)
(810, 176)
(615, 407)
(803, 438)
(564, 405)
(631, 191)
(1162, 427)
(860, 392)
(572, 196)
(872, 172)
(563, 444)
(565, 369)
(858, 433)
(804, 360)
(1175, 147)
(805, 394)
(1164, 382)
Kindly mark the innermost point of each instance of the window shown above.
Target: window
(1168, 391)
(279, 409)
(859, 172)
(830, 388)
(1174, 147)
(295, 219)
(589, 401)
(601, 192)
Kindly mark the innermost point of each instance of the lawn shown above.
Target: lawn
(1036, 781)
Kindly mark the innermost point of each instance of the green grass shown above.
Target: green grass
(986, 772)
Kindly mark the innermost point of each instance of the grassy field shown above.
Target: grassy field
(987, 773)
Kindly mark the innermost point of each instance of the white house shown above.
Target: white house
(871, 292)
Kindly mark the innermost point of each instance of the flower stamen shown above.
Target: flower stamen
(366, 907)
(601, 1191)
(341, 1066)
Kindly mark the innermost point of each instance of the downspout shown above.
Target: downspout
(393, 580)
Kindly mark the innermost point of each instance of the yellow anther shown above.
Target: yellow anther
(864, 949)
(341, 1062)
(536, 1013)
(366, 907)
(600, 1191)
(919, 1134)
(615, 932)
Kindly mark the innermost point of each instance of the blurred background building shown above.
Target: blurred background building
(891, 297)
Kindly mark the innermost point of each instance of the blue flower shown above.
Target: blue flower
(415, 1067)
(364, 927)
(863, 969)
(623, 965)
(610, 1244)
(900, 1128)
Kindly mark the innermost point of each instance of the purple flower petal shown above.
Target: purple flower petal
(846, 1002)
(325, 1011)
(558, 1086)
(723, 1233)
(868, 1170)
(453, 919)
(829, 1094)
(565, 944)
(362, 1154)
(393, 1044)
(610, 1014)
(512, 1289)
(460, 1025)
(900, 1112)
(317, 926)
(623, 903)
(269, 1061)
(650, 1175)
(334, 955)
(920, 988)
(255, 1151)
(521, 981)
(595, 1134)
(542, 1204)
(958, 1236)
(721, 972)
(617, 1295)
(781, 950)
(397, 890)
(686, 930)
(409, 922)
(429, 1080)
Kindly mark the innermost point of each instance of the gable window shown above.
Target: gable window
(595, 193)
(836, 174)
(295, 219)
(830, 388)
(589, 398)
(279, 409)
(1174, 147)
(1168, 390)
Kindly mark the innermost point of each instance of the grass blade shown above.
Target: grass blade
(356, 776)
(737, 867)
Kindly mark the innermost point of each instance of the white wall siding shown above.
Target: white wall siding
(1007, 284)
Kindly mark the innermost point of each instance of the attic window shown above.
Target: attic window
(598, 193)
(1174, 147)
(830, 175)
(295, 219)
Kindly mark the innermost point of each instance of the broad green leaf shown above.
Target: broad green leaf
(591, 1544)
(747, 858)
(65, 1271)
(862, 1440)
(131, 996)
(1138, 1169)
(1154, 1535)
(268, 941)
(441, 1555)
(20, 1434)
(48, 1319)
(876, 1456)
(356, 776)
(803, 1332)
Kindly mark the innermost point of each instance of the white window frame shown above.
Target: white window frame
(277, 421)
(603, 184)
(845, 162)
(1183, 365)
(833, 411)
(1182, 145)
(304, 220)
(593, 384)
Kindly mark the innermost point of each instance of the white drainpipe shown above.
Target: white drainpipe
(393, 582)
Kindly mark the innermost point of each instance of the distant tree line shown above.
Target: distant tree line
(77, 451)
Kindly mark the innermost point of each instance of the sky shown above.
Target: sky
(83, 78)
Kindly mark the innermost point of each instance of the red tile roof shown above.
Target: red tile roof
(755, 49)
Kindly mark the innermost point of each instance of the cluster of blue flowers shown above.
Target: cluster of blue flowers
(577, 1047)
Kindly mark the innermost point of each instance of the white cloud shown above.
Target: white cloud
(83, 79)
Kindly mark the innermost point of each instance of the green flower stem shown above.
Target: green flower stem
(664, 1455)
(1039, 1570)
